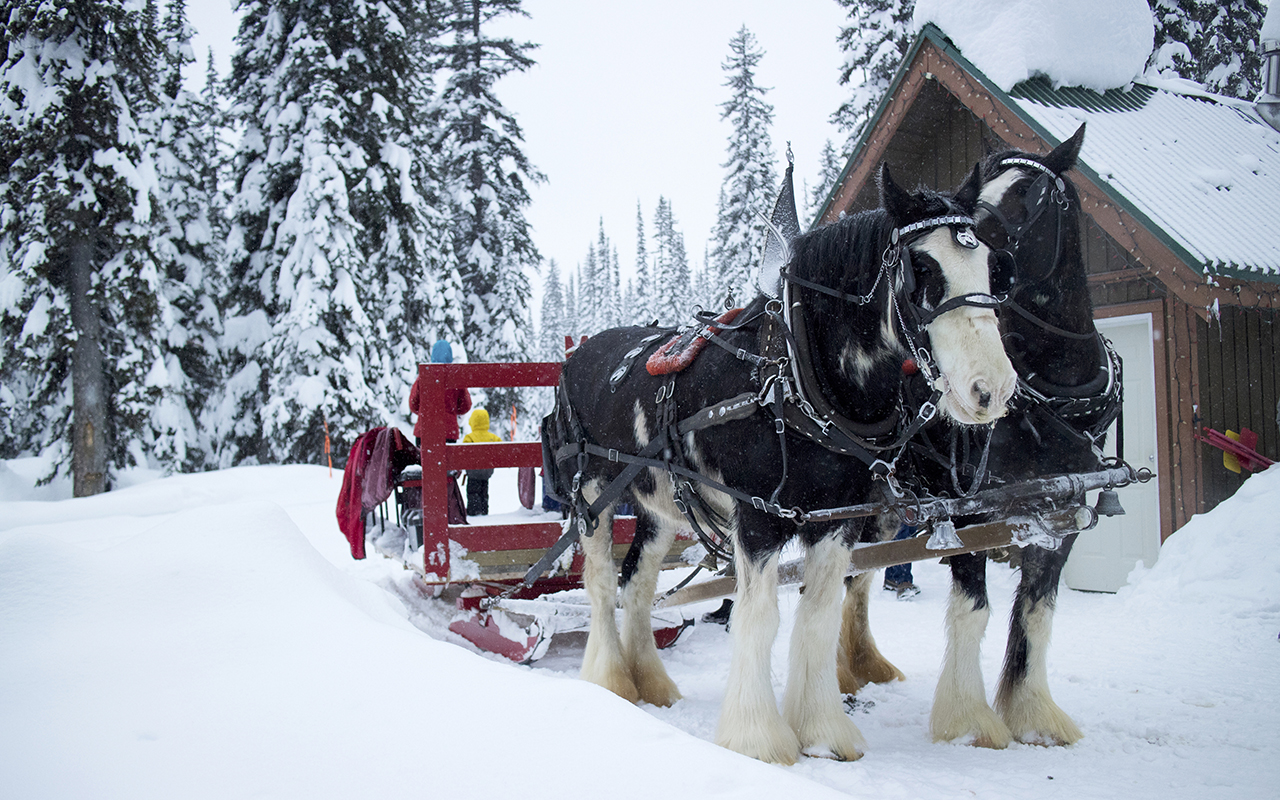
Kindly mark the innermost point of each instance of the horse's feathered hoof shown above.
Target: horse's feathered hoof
(981, 729)
(778, 745)
(1042, 723)
(617, 681)
(656, 688)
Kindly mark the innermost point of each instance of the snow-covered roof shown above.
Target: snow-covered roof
(1099, 44)
(1203, 169)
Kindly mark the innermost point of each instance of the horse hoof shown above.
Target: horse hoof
(831, 755)
(779, 746)
(662, 693)
(617, 682)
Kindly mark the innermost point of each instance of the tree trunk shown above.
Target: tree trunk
(89, 444)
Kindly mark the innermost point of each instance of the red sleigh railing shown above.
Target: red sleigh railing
(502, 552)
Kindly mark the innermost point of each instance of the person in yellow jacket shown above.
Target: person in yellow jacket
(478, 479)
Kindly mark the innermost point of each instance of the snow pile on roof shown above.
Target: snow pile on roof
(1097, 44)
(1271, 24)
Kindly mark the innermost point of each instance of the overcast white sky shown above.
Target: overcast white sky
(623, 106)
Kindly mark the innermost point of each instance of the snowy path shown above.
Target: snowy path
(209, 636)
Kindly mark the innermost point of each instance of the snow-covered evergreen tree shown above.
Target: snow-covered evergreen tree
(750, 180)
(334, 249)
(671, 279)
(642, 297)
(187, 241)
(1214, 44)
(590, 285)
(555, 325)
(487, 175)
(83, 361)
(874, 42)
(830, 165)
(610, 282)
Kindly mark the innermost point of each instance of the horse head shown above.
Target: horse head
(943, 291)
(1021, 213)
(1029, 214)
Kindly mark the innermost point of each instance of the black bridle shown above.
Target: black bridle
(896, 267)
(1083, 412)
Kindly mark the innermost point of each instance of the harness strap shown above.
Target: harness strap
(1011, 303)
(735, 408)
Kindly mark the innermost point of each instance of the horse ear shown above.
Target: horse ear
(1064, 155)
(893, 199)
(967, 195)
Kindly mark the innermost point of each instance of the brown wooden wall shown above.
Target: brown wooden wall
(939, 142)
(1239, 364)
(1223, 373)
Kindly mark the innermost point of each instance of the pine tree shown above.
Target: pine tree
(187, 240)
(487, 175)
(1214, 44)
(589, 282)
(333, 249)
(750, 182)
(610, 287)
(874, 42)
(641, 294)
(671, 276)
(83, 358)
(829, 168)
(555, 325)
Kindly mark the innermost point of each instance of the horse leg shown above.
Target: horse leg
(749, 720)
(1023, 698)
(960, 707)
(860, 661)
(639, 582)
(602, 661)
(812, 704)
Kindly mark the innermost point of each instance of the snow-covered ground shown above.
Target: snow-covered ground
(210, 636)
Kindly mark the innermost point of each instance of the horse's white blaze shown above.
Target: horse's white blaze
(749, 719)
(994, 191)
(1027, 707)
(960, 709)
(602, 660)
(966, 341)
(812, 704)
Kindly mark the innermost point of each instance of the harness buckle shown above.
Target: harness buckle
(779, 425)
(758, 502)
(742, 354)
(613, 454)
(927, 411)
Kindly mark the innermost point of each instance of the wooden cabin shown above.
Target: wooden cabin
(1181, 194)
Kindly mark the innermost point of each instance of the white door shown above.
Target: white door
(1103, 557)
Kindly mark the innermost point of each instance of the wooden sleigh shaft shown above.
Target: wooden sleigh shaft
(975, 538)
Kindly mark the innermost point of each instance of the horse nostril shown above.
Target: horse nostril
(984, 394)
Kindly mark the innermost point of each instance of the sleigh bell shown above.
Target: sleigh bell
(1108, 504)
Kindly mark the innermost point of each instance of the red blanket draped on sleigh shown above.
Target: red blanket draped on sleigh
(369, 478)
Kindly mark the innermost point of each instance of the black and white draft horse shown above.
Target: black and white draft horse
(1068, 396)
(857, 298)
